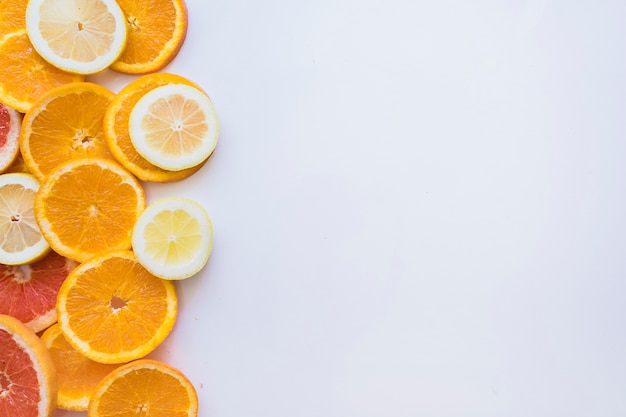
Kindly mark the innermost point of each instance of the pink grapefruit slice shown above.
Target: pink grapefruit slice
(10, 125)
(29, 292)
(28, 381)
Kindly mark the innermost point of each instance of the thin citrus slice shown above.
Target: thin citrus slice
(127, 392)
(24, 74)
(87, 206)
(173, 238)
(79, 36)
(112, 310)
(116, 128)
(174, 126)
(10, 125)
(63, 125)
(28, 381)
(156, 31)
(77, 375)
(21, 242)
(18, 165)
(12, 16)
(29, 292)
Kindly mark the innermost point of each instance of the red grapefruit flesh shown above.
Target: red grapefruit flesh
(29, 292)
(10, 125)
(27, 375)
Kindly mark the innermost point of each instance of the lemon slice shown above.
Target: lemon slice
(174, 127)
(173, 238)
(21, 242)
(79, 36)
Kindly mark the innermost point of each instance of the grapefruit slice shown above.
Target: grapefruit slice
(28, 380)
(29, 292)
(10, 126)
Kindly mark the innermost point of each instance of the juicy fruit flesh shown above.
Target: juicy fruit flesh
(175, 125)
(173, 237)
(66, 126)
(5, 125)
(30, 291)
(89, 28)
(113, 310)
(93, 209)
(19, 395)
(25, 75)
(77, 375)
(147, 37)
(168, 392)
(18, 227)
(116, 128)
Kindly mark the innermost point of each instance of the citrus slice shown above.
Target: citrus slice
(24, 74)
(116, 128)
(156, 31)
(18, 165)
(77, 375)
(174, 126)
(125, 392)
(87, 206)
(29, 292)
(21, 241)
(12, 16)
(63, 125)
(173, 238)
(28, 381)
(112, 310)
(79, 36)
(10, 125)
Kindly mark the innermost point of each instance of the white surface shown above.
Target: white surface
(418, 209)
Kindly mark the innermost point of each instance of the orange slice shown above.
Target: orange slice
(88, 206)
(77, 375)
(156, 31)
(24, 74)
(116, 128)
(174, 126)
(10, 125)
(81, 36)
(63, 125)
(12, 16)
(126, 392)
(28, 381)
(21, 241)
(112, 310)
(29, 292)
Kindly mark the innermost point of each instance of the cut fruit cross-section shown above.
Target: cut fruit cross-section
(156, 31)
(79, 36)
(10, 126)
(173, 238)
(21, 241)
(29, 292)
(88, 206)
(28, 380)
(24, 75)
(116, 128)
(65, 124)
(124, 392)
(112, 310)
(77, 375)
(174, 126)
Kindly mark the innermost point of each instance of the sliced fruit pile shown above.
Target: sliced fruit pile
(84, 260)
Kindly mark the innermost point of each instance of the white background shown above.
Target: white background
(418, 209)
